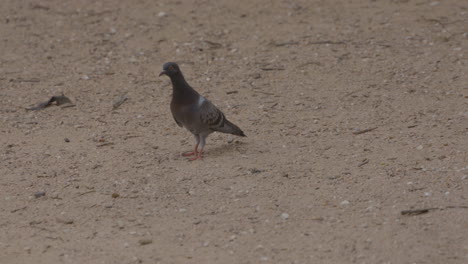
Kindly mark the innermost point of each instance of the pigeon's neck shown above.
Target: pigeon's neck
(181, 90)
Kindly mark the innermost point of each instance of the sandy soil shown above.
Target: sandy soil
(301, 78)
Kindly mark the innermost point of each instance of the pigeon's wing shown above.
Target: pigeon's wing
(211, 116)
(215, 120)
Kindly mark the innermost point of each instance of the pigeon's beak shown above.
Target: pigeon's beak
(162, 73)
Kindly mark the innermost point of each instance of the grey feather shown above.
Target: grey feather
(216, 121)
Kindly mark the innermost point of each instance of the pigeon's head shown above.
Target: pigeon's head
(170, 69)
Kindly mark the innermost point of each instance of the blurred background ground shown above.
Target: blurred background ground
(301, 78)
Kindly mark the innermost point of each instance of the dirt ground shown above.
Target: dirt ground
(303, 79)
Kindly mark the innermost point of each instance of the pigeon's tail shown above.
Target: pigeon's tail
(230, 128)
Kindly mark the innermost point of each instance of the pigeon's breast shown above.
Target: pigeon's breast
(189, 117)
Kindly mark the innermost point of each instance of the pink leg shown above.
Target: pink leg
(191, 153)
(198, 156)
(202, 145)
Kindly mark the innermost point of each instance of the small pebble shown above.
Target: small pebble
(39, 194)
(162, 14)
(120, 224)
(255, 171)
(284, 216)
(419, 147)
(115, 195)
(145, 241)
(66, 140)
(256, 76)
(64, 221)
(427, 194)
(345, 202)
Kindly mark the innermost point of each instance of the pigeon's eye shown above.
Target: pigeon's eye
(171, 68)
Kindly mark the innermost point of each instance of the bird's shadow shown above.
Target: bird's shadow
(236, 146)
(220, 150)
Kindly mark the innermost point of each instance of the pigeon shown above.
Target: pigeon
(194, 112)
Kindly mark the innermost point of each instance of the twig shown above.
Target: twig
(426, 210)
(351, 93)
(310, 63)
(20, 80)
(272, 69)
(327, 42)
(343, 56)
(68, 105)
(214, 45)
(438, 21)
(119, 101)
(417, 211)
(39, 6)
(364, 131)
(101, 121)
(105, 144)
(457, 207)
(287, 43)
(262, 92)
(364, 162)
(130, 136)
(81, 194)
(18, 209)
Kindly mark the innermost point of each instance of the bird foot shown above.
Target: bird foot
(190, 153)
(197, 157)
